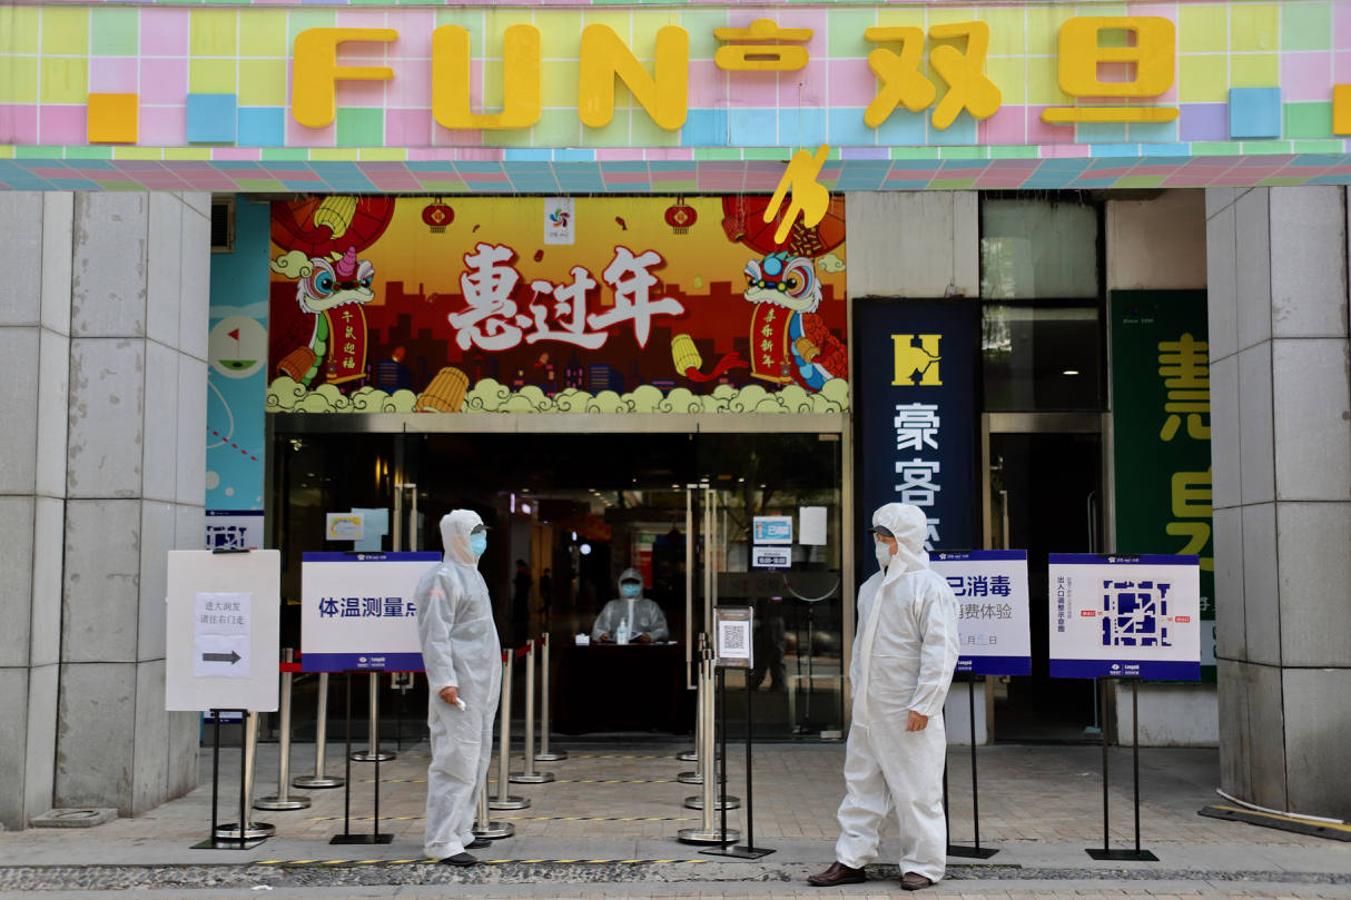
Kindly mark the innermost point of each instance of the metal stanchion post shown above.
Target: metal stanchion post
(544, 754)
(249, 831)
(708, 747)
(708, 831)
(530, 776)
(696, 755)
(282, 800)
(484, 828)
(320, 779)
(504, 799)
(373, 753)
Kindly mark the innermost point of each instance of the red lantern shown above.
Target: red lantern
(437, 216)
(681, 216)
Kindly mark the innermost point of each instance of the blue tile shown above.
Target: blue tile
(802, 127)
(1254, 113)
(1154, 132)
(1129, 151)
(705, 128)
(1176, 149)
(753, 127)
(1100, 133)
(902, 129)
(261, 126)
(211, 118)
(960, 133)
(846, 129)
(573, 155)
(524, 154)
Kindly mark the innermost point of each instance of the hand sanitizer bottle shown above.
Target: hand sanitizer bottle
(622, 632)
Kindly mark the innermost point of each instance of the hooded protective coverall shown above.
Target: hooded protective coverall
(644, 615)
(459, 648)
(904, 657)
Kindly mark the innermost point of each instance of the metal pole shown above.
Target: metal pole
(708, 746)
(530, 776)
(215, 775)
(372, 753)
(545, 754)
(320, 779)
(697, 775)
(1135, 754)
(484, 828)
(504, 799)
(975, 780)
(245, 830)
(1106, 841)
(708, 832)
(282, 800)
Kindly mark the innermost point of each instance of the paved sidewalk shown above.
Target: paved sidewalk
(622, 807)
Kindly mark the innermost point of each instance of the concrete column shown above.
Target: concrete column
(102, 349)
(1277, 269)
(922, 244)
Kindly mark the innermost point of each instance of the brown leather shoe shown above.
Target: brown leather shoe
(913, 881)
(837, 874)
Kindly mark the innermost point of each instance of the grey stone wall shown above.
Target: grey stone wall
(1281, 400)
(103, 329)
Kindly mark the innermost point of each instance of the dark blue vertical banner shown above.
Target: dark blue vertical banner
(916, 401)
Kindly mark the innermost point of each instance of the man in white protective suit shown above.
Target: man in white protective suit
(463, 661)
(638, 617)
(904, 656)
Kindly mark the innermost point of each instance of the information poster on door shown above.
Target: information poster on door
(994, 622)
(358, 612)
(1125, 617)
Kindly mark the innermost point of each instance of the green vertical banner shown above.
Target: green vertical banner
(1161, 435)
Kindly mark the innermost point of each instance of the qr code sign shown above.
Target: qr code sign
(1135, 614)
(733, 639)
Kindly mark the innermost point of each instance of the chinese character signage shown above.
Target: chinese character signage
(358, 612)
(992, 602)
(1125, 617)
(916, 416)
(612, 305)
(1161, 434)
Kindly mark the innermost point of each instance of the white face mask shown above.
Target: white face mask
(883, 553)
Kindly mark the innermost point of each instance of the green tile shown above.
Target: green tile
(114, 32)
(962, 153)
(103, 152)
(1013, 153)
(1139, 181)
(1333, 146)
(716, 153)
(952, 184)
(260, 185)
(646, 133)
(1216, 148)
(615, 134)
(22, 152)
(361, 127)
(700, 25)
(1308, 120)
(846, 32)
(469, 19)
(914, 153)
(773, 154)
(1306, 26)
(303, 19)
(1265, 148)
(558, 128)
(284, 154)
(1283, 181)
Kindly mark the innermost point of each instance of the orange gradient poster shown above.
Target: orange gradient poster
(535, 304)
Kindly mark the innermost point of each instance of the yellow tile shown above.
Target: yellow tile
(1202, 28)
(20, 24)
(646, 24)
(901, 18)
(1043, 28)
(211, 76)
(6, 152)
(65, 30)
(943, 16)
(1255, 70)
(262, 82)
(1043, 84)
(492, 85)
(214, 32)
(560, 33)
(497, 23)
(559, 86)
(188, 153)
(138, 153)
(383, 154)
(263, 32)
(1010, 75)
(333, 154)
(112, 119)
(620, 21)
(1202, 79)
(1008, 31)
(21, 82)
(1254, 26)
(64, 80)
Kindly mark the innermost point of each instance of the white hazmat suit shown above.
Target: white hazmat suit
(460, 649)
(643, 615)
(904, 656)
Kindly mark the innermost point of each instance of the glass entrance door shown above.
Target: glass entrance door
(1045, 476)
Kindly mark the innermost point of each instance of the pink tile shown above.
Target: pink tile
(1306, 76)
(813, 18)
(113, 75)
(365, 94)
(753, 90)
(412, 83)
(60, 125)
(163, 126)
(444, 137)
(362, 18)
(164, 32)
(415, 33)
(670, 154)
(1007, 126)
(1341, 26)
(236, 153)
(164, 80)
(298, 135)
(708, 85)
(18, 124)
(408, 127)
(806, 86)
(852, 83)
(1341, 67)
(1066, 151)
(1039, 132)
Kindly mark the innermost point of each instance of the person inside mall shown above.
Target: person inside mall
(904, 657)
(462, 657)
(630, 617)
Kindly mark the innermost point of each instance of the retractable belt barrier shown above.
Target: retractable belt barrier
(529, 775)
(545, 709)
(504, 799)
(282, 799)
(320, 779)
(373, 753)
(709, 831)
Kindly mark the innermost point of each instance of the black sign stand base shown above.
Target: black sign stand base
(215, 842)
(1105, 853)
(346, 838)
(976, 851)
(747, 850)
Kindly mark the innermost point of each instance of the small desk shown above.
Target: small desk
(609, 688)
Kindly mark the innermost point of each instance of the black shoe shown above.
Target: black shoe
(460, 859)
(913, 881)
(836, 875)
(478, 844)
